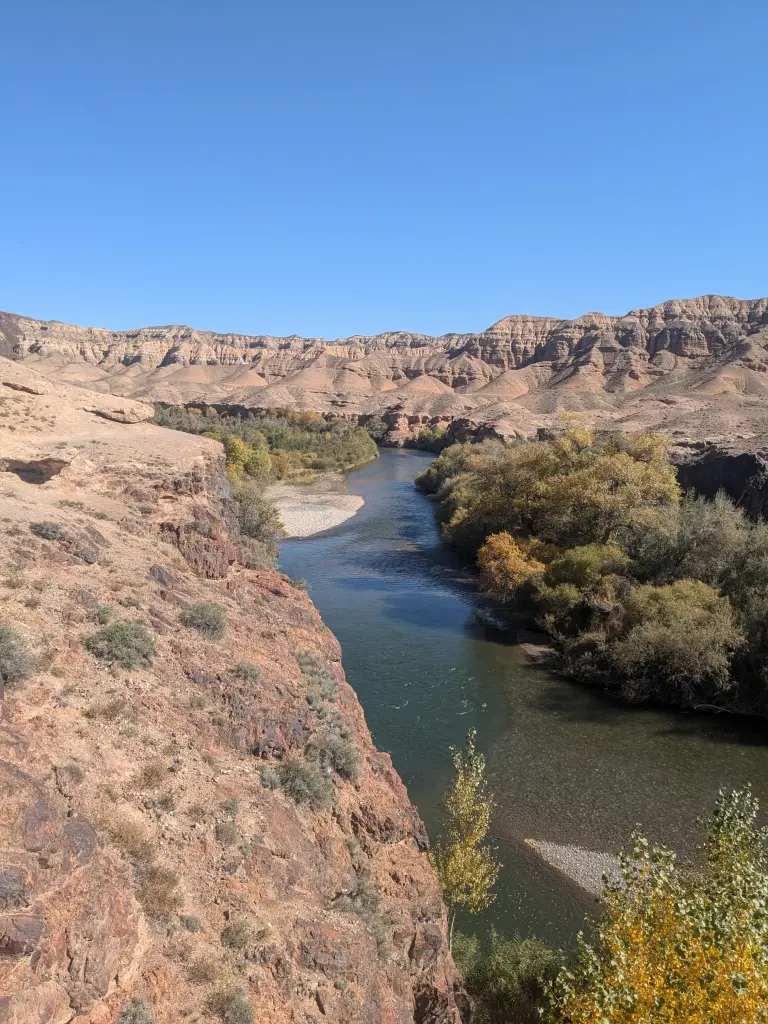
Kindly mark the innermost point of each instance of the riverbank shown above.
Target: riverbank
(309, 509)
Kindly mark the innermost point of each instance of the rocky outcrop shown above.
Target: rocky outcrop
(147, 850)
(693, 364)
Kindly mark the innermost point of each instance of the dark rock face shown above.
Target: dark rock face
(743, 475)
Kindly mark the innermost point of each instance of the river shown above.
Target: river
(565, 763)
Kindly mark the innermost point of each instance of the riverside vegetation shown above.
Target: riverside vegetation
(272, 445)
(647, 591)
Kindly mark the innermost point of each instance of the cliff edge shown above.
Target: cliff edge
(153, 858)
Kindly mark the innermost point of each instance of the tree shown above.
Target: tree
(463, 861)
(506, 564)
(675, 945)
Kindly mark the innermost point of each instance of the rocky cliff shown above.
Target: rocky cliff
(693, 367)
(155, 865)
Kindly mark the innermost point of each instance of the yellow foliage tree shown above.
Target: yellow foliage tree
(506, 563)
(677, 946)
(462, 859)
(237, 453)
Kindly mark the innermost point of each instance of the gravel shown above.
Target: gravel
(304, 513)
(584, 867)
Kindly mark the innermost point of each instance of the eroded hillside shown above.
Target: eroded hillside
(155, 856)
(694, 367)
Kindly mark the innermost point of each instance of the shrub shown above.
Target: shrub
(47, 530)
(676, 640)
(230, 805)
(333, 751)
(230, 1006)
(508, 978)
(131, 838)
(17, 662)
(270, 779)
(258, 518)
(237, 934)
(227, 833)
(128, 644)
(203, 971)
(305, 784)
(157, 890)
(208, 617)
(246, 671)
(151, 774)
(136, 1012)
(201, 527)
(190, 922)
(320, 682)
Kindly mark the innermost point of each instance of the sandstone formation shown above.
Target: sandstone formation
(694, 367)
(142, 857)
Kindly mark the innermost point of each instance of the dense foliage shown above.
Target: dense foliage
(661, 594)
(679, 945)
(275, 445)
(507, 978)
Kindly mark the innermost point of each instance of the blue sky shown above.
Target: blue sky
(329, 168)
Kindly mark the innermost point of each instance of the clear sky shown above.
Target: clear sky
(329, 167)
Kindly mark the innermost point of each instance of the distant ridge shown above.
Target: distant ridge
(703, 361)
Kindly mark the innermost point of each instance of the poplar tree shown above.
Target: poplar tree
(462, 859)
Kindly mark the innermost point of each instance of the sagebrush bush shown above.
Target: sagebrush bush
(190, 922)
(305, 783)
(246, 671)
(320, 682)
(227, 833)
(230, 1006)
(237, 934)
(128, 644)
(136, 1012)
(270, 779)
(336, 752)
(17, 662)
(209, 618)
(157, 890)
(47, 530)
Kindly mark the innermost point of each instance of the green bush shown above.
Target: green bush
(17, 662)
(320, 682)
(47, 530)
(190, 922)
(332, 751)
(136, 1012)
(207, 617)
(230, 1006)
(237, 934)
(246, 671)
(257, 517)
(305, 784)
(128, 644)
(201, 527)
(508, 978)
(676, 641)
(270, 779)
(227, 833)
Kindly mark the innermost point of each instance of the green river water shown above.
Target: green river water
(566, 764)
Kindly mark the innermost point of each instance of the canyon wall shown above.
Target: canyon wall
(153, 858)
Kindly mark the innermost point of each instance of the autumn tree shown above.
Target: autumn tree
(506, 564)
(677, 945)
(462, 858)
